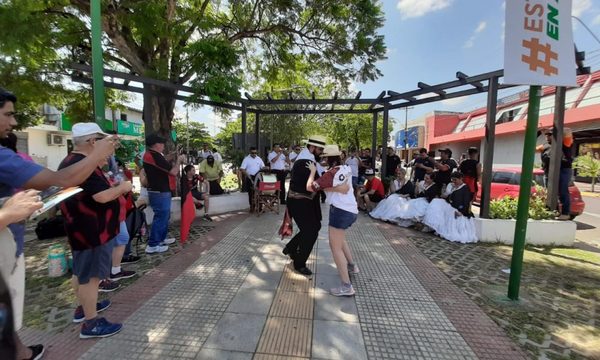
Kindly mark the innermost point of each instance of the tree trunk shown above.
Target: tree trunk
(159, 104)
(593, 183)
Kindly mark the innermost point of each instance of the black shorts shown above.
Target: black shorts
(375, 197)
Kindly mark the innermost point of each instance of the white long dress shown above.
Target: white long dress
(441, 217)
(399, 210)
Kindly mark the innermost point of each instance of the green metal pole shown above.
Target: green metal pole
(97, 64)
(516, 265)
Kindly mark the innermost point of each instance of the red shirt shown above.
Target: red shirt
(376, 185)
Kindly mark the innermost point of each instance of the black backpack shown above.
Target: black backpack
(51, 228)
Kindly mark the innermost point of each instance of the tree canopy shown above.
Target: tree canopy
(216, 46)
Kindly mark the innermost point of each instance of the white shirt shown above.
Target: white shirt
(341, 175)
(204, 154)
(353, 163)
(252, 165)
(305, 155)
(293, 156)
(218, 157)
(278, 164)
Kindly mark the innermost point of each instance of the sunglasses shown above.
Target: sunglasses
(253, 153)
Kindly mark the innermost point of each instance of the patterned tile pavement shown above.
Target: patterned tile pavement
(239, 299)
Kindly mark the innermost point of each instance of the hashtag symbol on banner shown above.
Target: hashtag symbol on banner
(535, 51)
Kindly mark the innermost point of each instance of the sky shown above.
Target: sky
(430, 40)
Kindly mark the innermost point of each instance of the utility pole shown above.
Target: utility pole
(406, 132)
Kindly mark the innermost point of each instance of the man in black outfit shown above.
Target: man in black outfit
(444, 168)
(423, 165)
(304, 206)
(391, 162)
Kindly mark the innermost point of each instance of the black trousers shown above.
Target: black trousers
(307, 215)
(281, 175)
(249, 187)
(215, 188)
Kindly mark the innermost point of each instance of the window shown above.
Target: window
(502, 177)
(508, 116)
(123, 117)
(538, 179)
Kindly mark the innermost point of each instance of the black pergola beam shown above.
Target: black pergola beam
(463, 77)
(448, 96)
(433, 89)
(335, 96)
(448, 85)
(357, 97)
(381, 95)
(315, 101)
(313, 111)
(139, 90)
(394, 94)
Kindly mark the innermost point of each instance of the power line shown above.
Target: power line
(586, 27)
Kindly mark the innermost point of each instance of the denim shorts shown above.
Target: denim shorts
(355, 181)
(123, 237)
(93, 263)
(341, 219)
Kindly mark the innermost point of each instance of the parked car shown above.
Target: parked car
(505, 182)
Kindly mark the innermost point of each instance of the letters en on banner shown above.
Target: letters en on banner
(538, 46)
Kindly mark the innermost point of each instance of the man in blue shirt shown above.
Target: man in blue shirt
(17, 173)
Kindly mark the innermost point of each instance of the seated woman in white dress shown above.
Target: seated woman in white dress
(451, 219)
(398, 207)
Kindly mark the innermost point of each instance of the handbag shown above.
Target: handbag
(286, 229)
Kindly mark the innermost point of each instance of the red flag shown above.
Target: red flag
(286, 228)
(188, 213)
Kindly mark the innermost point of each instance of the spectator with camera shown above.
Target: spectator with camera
(161, 184)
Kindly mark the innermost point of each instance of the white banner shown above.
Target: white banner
(538, 46)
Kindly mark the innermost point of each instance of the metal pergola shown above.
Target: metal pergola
(462, 85)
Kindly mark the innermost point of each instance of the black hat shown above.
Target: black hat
(446, 150)
(153, 139)
(473, 150)
(369, 172)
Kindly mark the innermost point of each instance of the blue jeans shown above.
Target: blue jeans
(161, 205)
(563, 191)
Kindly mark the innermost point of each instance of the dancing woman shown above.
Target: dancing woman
(337, 182)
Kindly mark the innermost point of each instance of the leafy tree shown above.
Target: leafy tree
(197, 132)
(216, 46)
(355, 130)
(587, 166)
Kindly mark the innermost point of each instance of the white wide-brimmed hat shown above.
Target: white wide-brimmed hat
(331, 150)
(317, 140)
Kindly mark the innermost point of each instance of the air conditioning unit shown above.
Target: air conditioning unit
(56, 140)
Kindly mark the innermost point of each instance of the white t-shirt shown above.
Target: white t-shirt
(353, 163)
(332, 178)
(204, 154)
(252, 165)
(293, 156)
(218, 157)
(279, 164)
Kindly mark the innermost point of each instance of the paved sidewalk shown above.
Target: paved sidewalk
(242, 300)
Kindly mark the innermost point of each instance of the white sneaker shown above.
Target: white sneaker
(156, 249)
(342, 291)
(168, 241)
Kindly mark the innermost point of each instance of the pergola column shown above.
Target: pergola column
(257, 132)
(384, 138)
(374, 140)
(556, 150)
(244, 132)
(488, 155)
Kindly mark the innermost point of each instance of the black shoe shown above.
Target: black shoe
(130, 259)
(37, 351)
(304, 271)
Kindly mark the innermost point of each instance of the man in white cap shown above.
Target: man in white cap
(17, 173)
(91, 238)
(304, 206)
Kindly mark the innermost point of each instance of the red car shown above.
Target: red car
(505, 182)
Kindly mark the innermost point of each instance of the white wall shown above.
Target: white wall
(49, 156)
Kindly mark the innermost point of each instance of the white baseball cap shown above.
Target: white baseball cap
(85, 129)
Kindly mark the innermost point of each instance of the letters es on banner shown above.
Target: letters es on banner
(538, 46)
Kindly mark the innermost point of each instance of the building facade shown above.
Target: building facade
(459, 131)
